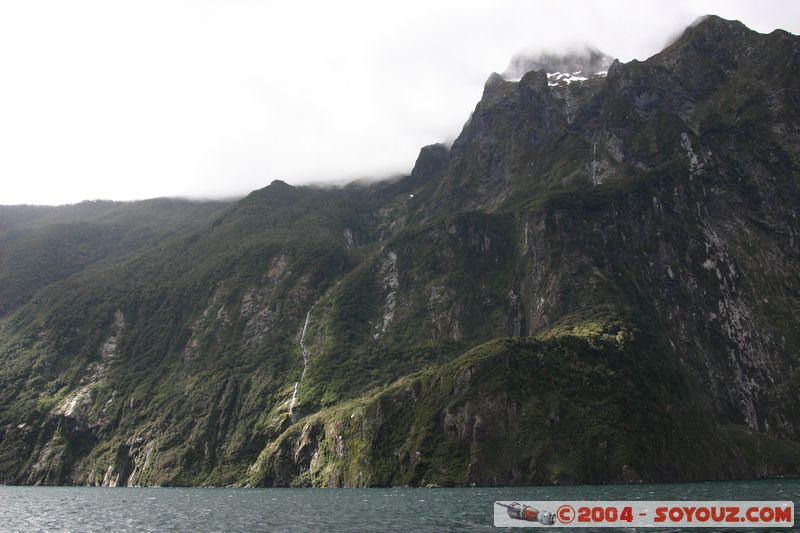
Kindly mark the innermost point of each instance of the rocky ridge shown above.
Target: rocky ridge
(597, 282)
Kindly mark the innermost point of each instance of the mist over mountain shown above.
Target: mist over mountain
(585, 62)
(598, 281)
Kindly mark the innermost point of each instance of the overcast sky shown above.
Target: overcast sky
(138, 99)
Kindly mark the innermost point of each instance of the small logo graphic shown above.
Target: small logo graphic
(637, 514)
(530, 514)
(565, 514)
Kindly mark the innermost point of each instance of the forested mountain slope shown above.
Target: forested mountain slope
(599, 281)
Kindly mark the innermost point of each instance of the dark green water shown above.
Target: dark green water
(401, 509)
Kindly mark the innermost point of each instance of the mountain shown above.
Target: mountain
(599, 281)
(40, 244)
(578, 65)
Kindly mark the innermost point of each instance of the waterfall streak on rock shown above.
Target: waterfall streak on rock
(304, 350)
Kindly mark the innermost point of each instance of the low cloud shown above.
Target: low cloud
(212, 99)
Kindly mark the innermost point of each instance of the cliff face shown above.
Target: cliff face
(599, 281)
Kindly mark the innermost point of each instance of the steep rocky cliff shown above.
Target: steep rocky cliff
(599, 281)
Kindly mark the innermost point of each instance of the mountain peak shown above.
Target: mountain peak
(715, 23)
(711, 28)
(573, 65)
(710, 38)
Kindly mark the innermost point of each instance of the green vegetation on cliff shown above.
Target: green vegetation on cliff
(597, 282)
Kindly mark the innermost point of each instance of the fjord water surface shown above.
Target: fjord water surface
(397, 509)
